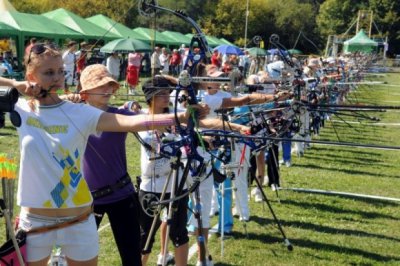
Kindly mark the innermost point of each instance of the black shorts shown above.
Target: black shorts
(178, 232)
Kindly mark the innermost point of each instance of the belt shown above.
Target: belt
(109, 189)
(80, 218)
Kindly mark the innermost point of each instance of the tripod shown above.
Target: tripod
(285, 239)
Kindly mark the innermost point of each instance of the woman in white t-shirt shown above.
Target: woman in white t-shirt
(53, 136)
(155, 174)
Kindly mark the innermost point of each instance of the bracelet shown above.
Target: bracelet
(276, 97)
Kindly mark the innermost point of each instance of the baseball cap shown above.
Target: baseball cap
(154, 86)
(97, 75)
(71, 43)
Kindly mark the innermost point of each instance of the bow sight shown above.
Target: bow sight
(8, 99)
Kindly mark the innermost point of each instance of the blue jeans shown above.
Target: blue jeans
(287, 148)
(227, 211)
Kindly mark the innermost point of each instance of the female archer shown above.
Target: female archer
(53, 135)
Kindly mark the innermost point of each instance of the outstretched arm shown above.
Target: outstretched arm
(122, 123)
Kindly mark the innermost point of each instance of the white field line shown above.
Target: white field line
(103, 227)
(371, 124)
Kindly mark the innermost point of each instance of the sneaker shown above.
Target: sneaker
(169, 261)
(209, 262)
(258, 196)
(244, 219)
(235, 212)
(288, 163)
(281, 162)
(265, 182)
(274, 187)
(254, 191)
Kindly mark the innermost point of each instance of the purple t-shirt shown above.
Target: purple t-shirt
(104, 162)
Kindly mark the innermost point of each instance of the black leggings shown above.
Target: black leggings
(178, 232)
(124, 221)
(273, 165)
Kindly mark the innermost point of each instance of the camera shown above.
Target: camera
(8, 99)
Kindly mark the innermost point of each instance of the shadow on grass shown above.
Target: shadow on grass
(5, 134)
(318, 246)
(333, 209)
(361, 161)
(360, 139)
(327, 155)
(357, 151)
(346, 171)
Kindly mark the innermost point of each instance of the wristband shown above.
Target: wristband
(276, 97)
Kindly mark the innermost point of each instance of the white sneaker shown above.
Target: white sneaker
(265, 182)
(281, 162)
(209, 262)
(258, 196)
(235, 212)
(288, 163)
(169, 261)
(274, 187)
(253, 191)
(244, 218)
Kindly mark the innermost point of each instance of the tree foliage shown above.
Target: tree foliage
(315, 19)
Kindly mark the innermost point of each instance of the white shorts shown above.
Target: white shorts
(78, 242)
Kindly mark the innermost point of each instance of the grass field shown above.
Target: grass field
(324, 230)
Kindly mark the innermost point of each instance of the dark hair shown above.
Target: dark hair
(153, 86)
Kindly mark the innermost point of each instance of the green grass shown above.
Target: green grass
(324, 230)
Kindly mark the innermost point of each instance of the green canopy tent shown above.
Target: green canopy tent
(154, 36)
(255, 51)
(360, 43)
(295, 52)
(87, 29)
(178, 37)
(114, 27)
(28, 25)
(214, 40)
(211, 42)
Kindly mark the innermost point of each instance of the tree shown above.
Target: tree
(335, 16)
(387, 20)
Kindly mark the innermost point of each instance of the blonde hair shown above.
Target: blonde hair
(32, 61)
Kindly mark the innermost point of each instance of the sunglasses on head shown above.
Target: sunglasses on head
(40, 48)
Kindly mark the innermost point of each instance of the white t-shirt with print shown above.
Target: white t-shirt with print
(52, 141)
(154, 173)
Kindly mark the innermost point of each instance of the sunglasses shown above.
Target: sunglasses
(40, 48)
